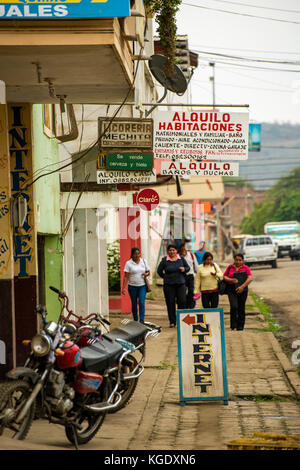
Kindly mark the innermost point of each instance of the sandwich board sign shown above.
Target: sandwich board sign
(202, 355)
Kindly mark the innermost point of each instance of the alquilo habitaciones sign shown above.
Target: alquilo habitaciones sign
(202, 355)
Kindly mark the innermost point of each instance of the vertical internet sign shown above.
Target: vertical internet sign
(202, 355)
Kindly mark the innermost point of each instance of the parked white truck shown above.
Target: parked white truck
(287, 237)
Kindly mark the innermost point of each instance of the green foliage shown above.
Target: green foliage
(165, 11)
(113, 266)
(265, 310)
(282, 204)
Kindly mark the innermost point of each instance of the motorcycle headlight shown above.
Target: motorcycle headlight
(40, 345)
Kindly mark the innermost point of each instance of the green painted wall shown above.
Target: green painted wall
(47, 189)
(47, 207)
(53, 275)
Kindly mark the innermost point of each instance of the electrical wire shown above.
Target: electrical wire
(244, 50)
(253, 67)
(103, 133)
(95, 143)
(248, 87)
(256, 6)
(234, 72)
(248, 59)
(243, 177)
(240, 14)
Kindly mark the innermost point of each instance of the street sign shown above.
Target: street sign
(201, 168)
(125, 177)
(254, 137)
(147, 199)
(129, 161)
(39, 9)
(128, 133)
(210, 135)
(202, 355)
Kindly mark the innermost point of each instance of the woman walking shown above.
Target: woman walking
(172, 269)
(238, 276)
(136, 270)
(191, 260)
(206, 281)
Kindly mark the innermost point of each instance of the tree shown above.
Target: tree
(282, 203)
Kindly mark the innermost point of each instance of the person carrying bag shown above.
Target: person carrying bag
(206, 282)
(172, 269)
(136, 271)
(237, 276)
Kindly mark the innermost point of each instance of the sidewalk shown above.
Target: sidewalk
(263, 387)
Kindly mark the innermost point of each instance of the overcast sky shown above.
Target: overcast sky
(272, 95)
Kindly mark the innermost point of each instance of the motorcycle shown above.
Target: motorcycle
(61, 382)
(131, 335)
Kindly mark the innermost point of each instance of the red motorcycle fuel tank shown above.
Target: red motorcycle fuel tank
(87, 382)
(71, 358)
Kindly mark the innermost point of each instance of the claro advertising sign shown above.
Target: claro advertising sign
(198, 135)
(41, 9)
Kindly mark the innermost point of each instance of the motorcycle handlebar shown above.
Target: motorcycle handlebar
(104, 320)
(70, 313)
(54, 289)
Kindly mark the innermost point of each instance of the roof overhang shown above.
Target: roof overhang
(88, 61)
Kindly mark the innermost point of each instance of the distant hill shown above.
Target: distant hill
(264, 168)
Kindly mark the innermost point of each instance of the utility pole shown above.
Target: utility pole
(218, 221)
(212, 79)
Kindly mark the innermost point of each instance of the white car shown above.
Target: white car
(260, 249)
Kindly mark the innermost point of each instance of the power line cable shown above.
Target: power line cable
(253, 67)
(248, 59)
(245, 50)
(105, 130)
(234, 72)
(248, 87)
(257, 6)
(96, 142)
(240, 14)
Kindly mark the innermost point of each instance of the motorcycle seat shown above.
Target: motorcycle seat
(101, 355)
(134, 332)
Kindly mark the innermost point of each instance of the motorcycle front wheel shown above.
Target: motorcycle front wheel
(126, 387)
(13, 396)
(87, 423)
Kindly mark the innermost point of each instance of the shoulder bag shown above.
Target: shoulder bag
(222, 285)
(148, 287)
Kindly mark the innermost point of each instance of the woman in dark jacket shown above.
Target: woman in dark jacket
(172, 269)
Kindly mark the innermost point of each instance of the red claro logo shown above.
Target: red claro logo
(147, 199)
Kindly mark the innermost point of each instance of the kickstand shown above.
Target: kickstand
(75, 437)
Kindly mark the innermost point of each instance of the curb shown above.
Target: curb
(288, 369)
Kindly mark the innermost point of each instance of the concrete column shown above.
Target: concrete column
(80, 262)
(97, 283)
(69, 277)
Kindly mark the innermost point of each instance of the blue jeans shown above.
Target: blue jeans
(138, 293)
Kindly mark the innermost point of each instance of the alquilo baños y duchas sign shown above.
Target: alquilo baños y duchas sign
(64, 9)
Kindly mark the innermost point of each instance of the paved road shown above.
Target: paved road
(280, 288)
(262, 387)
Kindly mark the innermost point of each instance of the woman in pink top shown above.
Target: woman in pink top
(238, 276)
